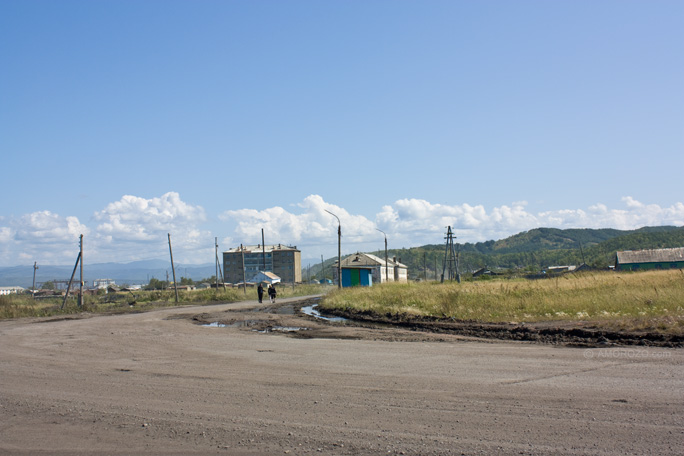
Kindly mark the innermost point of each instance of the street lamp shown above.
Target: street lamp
(386, 273)
(339, 249)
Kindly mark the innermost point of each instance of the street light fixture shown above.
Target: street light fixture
(339, 249)
(386, 273)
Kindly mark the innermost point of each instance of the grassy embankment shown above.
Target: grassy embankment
(16, 306)
(648, 301)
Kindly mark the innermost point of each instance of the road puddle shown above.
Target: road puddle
(311, 311)
(283, 329)
(215, 324)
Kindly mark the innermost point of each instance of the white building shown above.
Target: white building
(10, 290)
(265, 277)
(392, 271)
(103, 283)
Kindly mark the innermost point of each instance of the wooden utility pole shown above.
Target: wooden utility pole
(386, 258)
(73, 273)
(33, 290)
(244, 277)
(263, 249)
(425, 265)
(173, 269)
(80, 255)
(339, 249)
(217, 262)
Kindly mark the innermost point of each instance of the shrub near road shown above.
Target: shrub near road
(647, 301)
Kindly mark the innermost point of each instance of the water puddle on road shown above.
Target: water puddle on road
(283, 329)
(311, 311)
(215, 324)
(236, 324)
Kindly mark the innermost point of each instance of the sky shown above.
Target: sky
(126, 121)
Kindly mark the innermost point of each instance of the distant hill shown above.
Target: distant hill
(533, 249)
(137, 272)
(542, 247)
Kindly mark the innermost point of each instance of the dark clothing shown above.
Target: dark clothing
(271, 293)
(260, 292)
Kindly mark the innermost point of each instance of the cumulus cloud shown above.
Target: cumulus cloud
(40, 234)
(414, 220)
(311, 226)
(130, 229)
(138, 228)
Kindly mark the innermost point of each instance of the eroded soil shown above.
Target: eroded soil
(287, 318)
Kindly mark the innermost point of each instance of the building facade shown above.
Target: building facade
(11, 290)
(243, 263)
(637, 260)
(364, 269)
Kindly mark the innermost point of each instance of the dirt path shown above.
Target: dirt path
(162, 383)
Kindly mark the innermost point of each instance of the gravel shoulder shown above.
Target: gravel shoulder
(249, 378)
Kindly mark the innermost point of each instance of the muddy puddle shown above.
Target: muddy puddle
(313, 312)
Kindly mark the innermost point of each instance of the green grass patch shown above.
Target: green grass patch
(651, 300)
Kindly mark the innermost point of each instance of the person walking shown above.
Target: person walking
(260, 292)
(272, 293)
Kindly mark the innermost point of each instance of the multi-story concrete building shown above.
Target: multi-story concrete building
(282, 260)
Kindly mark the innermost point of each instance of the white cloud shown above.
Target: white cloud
(136, 228)
(130, 229)
(312, 226)
(44, 235)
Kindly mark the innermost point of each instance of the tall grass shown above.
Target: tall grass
(644, 299)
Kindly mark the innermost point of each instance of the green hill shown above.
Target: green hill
(540, 248)
(531, 250)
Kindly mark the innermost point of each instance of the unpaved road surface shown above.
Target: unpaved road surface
(162, 383)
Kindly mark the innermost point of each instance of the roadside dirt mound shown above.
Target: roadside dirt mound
(581, 334)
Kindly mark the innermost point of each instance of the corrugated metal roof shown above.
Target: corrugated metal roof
(259, 248)
(368, 260)
(651, 256)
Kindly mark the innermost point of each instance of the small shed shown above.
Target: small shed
(635, 260)
(370, 269)
(265, 277)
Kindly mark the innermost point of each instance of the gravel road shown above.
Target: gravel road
(162, 383)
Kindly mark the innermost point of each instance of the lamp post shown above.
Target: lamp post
(386, 273)
(339, 249)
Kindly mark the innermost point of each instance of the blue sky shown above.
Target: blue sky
(127, 120)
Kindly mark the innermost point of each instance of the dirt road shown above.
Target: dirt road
(162, 383)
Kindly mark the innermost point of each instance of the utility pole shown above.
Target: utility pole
(217, 261)
(33, 290)
(80, 255)
(425, 265)
(386, 266)
(73, 273)
(263, 249)
(339, 249)
(173, 269)
(244, 277)
(450, 260)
